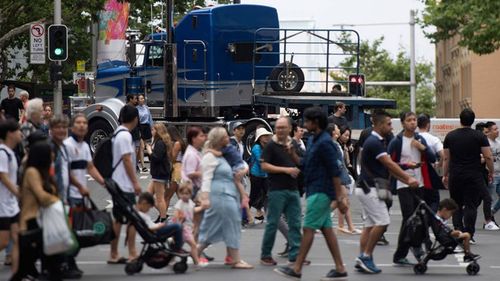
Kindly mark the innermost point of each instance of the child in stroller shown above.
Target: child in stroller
(446, 239)
(154, 251)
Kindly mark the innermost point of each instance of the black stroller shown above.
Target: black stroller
(154, 251)
(417, 233)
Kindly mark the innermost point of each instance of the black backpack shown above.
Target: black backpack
(103, 157)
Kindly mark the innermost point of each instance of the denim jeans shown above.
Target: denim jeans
(172, 230)
(282, 202)
(494, 187)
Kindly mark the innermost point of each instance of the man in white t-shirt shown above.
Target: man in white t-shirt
(431, 196)
(80, 159)
(410, 151)
(11, 136)
(125, 176)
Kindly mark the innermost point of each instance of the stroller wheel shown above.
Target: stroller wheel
(420, 268)
(180, 267)
(134, 267)
(473, 268)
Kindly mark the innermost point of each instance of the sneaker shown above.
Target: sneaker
(472, 241)
(357, 262)
(491, 226)
(268, 261)
(145, 170)
(470, 257)
(305, 262)
(382, 241)
(367, 264)
(202, 262)
(334, 275)
(402, 262)
(288, 272)
(71, 274)
(228, 260)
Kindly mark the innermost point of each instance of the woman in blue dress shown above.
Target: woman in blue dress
(221, 201)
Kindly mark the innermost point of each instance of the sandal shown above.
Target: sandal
(344, 230)
(356, 231)
(242, 265)
(121, 260)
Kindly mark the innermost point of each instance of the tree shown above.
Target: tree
(377, 65)
(15, 20)
(476, 22)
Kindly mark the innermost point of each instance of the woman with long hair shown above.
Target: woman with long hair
(38, 190)
(178, 148)
(161, 166)
(346, 181)
(145, 124)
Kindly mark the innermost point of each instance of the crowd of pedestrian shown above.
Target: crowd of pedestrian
(44, 159)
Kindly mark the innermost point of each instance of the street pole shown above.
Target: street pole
(58, 104)
(413, 84)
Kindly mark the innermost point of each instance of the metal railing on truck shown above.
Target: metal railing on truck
(318, 52)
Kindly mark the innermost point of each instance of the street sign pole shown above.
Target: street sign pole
(58, 102)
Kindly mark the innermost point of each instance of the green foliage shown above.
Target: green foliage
(14, 14)
(476, 22)
(377, 65)
(78, 16)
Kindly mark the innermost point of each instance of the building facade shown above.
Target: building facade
(464, 79)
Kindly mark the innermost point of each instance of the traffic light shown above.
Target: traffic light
(58, 42)
(55, 72)
(357, 84)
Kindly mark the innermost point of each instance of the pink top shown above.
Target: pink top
(191, 162)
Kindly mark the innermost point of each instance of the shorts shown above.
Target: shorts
(318, 211)
(6, 222)
(75, 202)
(165, 182)
(119, 217)
(375, 211)
(145, 132)
(176, 172)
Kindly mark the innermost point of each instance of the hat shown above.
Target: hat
(262, 132)
(238, 124)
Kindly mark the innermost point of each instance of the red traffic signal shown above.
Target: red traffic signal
(357, 85)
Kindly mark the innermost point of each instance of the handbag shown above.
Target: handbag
(91, 226)
(57, 236)
(382, 186)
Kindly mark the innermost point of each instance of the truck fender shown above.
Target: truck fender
(103, 120)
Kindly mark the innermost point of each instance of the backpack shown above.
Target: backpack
(103, 157)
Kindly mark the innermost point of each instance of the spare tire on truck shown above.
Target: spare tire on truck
(282, 80)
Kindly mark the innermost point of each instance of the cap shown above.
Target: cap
(262, 132)
(238, 124)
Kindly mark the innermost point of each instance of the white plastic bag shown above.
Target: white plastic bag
(57, 237)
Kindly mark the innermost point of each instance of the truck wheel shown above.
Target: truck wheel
(283, 81)
(98, 131)
(249, 137)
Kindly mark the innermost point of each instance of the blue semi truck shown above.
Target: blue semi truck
(225, 63)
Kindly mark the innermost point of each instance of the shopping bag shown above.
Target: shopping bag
(57, 236)
(90, 225)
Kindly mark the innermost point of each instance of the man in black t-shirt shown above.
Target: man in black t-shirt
(280, 161)
(11, 106)
(338, 117)
(462, 170)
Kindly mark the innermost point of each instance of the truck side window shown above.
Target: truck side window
(155, 55)
(243, 53)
